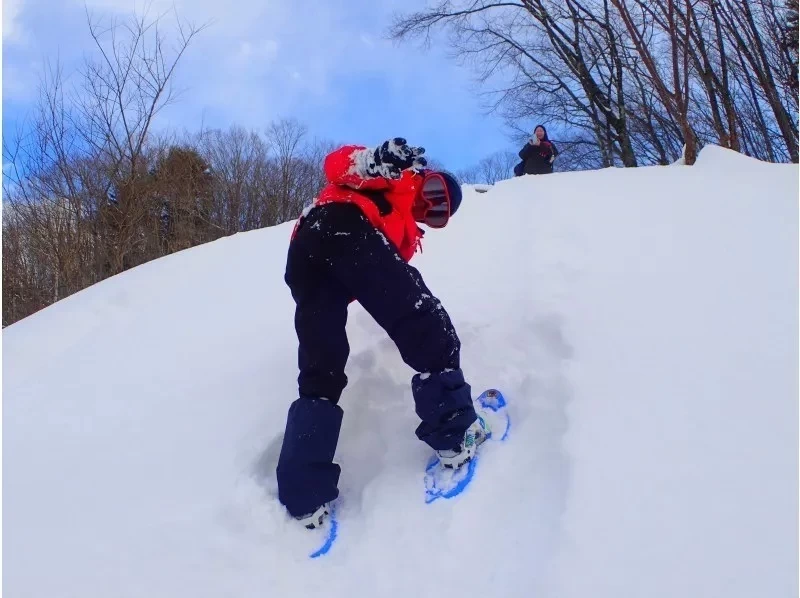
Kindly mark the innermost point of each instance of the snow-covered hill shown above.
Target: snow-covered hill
(642, 322)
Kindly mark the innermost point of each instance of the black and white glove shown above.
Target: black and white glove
(392, 157)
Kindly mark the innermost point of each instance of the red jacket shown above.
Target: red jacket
(342, 170)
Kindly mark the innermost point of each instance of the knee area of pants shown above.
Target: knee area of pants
(431, 348)
(315, 407)
(449, 379)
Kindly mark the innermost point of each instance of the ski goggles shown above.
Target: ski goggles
(433, 204)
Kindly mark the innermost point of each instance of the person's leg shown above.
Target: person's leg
(393, 293)
(307, 475)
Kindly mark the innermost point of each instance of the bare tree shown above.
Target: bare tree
(789, 43)
(76, 188)
(297, 176)
(285, 139)
(631, 80)
(755, 28)
(671, 81)
(123, 90)
(239, 161)
(711, 64)
(129, 84)
(564, 60)
(495, 167)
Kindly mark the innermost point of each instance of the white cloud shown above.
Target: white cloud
(261, 60)
(275, 52)
(12, 27)
(265, 51)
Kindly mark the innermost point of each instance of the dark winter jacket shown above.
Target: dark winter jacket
(538, 159)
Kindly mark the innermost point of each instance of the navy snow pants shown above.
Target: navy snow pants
(337, 256)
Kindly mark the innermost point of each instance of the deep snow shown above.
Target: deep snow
(643, 324)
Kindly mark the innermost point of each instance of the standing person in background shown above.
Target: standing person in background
(538, 154)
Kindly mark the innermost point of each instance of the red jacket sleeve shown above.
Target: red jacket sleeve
(347, 166)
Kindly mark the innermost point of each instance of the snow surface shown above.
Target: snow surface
(643, 324)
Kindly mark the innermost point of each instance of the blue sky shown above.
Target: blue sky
(326, 62)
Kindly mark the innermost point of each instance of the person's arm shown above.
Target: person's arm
(553, 154)
(360, 167)
(545, 149)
